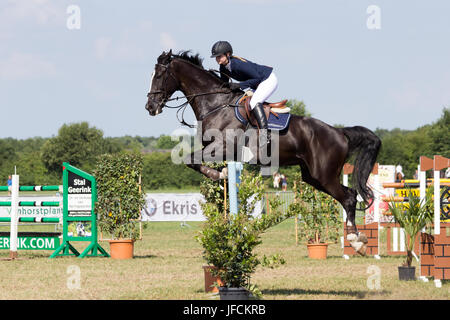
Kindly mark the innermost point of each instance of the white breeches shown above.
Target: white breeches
(264, 90)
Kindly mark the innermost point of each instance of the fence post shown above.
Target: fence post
(234, 172)
(14, 216)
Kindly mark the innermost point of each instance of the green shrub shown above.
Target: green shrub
(229, 240)
(120, 199)
(318, 212)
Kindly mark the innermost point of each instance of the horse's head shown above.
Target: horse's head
(163, 84)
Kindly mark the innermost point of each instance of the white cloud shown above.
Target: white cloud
(126, 45)
(100, 90)
(101, 47)
(167, 41)
(24, 66)
(40, 12)
(106, 48)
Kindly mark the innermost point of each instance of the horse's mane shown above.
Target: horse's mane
(196, 60)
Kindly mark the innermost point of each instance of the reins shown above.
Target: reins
(189, 98)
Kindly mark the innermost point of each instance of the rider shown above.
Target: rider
(253, 76)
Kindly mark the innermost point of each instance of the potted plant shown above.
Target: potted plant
(214, 193)
(318, 215)
(412, 216)
(229, 241)
(120, 201)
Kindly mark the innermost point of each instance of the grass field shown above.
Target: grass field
(168, 265)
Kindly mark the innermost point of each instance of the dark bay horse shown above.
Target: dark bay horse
(318, 148)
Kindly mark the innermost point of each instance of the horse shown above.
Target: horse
(319, 149)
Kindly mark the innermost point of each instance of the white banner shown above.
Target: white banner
(173, 207)
(386, 173)
(35, 212)
(178, 207)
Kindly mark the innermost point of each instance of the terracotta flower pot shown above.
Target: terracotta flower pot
(317, 250)
(210, 279)
(122, 249)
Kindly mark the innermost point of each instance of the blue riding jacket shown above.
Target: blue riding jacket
(248, 73)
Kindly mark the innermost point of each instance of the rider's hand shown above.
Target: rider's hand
(234, 86)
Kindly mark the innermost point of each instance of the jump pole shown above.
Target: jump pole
(234, 172)
(437, 189)
(14, 216)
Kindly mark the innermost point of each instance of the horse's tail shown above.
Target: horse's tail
(365, 145)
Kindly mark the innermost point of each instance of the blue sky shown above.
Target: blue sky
(322, 52)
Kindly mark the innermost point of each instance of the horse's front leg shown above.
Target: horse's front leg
(214, 153)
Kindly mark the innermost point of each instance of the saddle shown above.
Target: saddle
(269, 108)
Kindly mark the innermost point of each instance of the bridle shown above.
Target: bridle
(166, 96)
(189, 98)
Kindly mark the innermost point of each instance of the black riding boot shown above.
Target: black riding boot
(258, 112)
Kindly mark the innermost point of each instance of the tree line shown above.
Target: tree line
(39, 160)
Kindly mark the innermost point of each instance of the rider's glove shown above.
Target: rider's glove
(234, 86)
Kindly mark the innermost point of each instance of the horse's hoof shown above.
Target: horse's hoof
(362, 250)
(359, 247)
(362, 238)
(214, 175)
(352, 237)
(223, 174)
(358, 242)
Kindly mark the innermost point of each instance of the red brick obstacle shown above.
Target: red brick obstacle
(434, 249)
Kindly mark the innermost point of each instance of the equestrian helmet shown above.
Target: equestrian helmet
(221, 47)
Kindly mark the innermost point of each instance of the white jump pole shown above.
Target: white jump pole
(344, 213)
(422, 169)
(376, 209)
(344, 183)
(422, 186)
(376, 201)
(437, 204)
(14, 216)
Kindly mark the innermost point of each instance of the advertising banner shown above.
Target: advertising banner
(173, 207)
(177, 207)
(79, 195)
(34, 212)
(31, 242)
(386, 173)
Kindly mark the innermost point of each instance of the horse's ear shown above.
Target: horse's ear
(170, 53)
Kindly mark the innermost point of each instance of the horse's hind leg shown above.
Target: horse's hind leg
(358, 240)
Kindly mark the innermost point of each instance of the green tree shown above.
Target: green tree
(405, 147)
(127, 143)
(298, 108)
(77, 144)
(165, 142)
(439, 134)
(160, 172)
(32, 170)
(7, 158)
